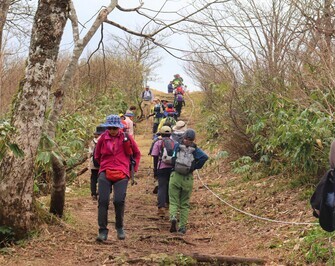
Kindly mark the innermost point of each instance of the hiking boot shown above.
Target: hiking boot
(101, 237)
(173, 227)
(94, 197)
(182, 230)
(120, 233)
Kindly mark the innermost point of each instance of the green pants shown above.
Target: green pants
(180, 189)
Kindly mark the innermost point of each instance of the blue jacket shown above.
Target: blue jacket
(200, 157)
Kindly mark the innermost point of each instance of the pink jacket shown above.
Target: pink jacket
(110, 154)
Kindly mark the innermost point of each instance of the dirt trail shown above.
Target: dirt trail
(213, 228)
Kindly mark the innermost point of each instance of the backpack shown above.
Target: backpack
(179, 90)
(170, 121)
(158, 111)
(323, 201)
(184, 160)
(95, 162)
(149, 93)
(166, 152)
(179, 98)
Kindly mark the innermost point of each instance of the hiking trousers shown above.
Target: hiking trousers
(163, 176)
(105, 188)
(180, 190)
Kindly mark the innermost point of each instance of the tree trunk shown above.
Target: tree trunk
(17, 174)
(58, 188)
(58, 168)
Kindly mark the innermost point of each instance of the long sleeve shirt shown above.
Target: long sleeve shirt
(111, 154)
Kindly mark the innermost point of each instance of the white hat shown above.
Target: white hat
(180, 126)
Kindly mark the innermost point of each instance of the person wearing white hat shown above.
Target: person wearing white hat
(178, 131)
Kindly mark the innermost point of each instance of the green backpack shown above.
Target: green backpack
(170, 120)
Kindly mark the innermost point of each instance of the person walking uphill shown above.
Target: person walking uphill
(162, 152)
(147, 97)
(113, 152)
(187, 157)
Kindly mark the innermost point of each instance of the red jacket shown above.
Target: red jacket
(110, 153)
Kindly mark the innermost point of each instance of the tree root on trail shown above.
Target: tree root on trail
(224, 259)
(180, 239)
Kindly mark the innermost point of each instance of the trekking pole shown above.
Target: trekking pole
(132, 171)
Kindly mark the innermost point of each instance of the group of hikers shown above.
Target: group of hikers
(114, 156)
(162, 108)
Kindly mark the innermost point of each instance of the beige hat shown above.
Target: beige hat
(157, 99)
(165, 130)
(180, 125)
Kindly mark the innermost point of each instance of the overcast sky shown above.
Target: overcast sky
(86, 9)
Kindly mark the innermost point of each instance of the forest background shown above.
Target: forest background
(265, 70)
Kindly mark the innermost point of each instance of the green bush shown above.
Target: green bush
(297, 137)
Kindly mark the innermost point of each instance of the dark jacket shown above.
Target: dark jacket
(321, 207)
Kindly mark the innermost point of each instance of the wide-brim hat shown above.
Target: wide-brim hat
(180, 125)
(113, 121)
(100, 129)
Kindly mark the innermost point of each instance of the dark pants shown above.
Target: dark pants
(163, 176)
(105, 188)
(179, 106)
(155, 127)
(94, 181)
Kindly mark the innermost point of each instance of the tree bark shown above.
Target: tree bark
(17, 174)
(58, 168)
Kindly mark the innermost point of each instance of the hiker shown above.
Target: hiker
(162, 152)
(164, 104)
(113, 152)
(157, 113)
(170, 87)
(170, 111)
(178, 131)
(130, 124)
(147, 97)
(187, 158)
(92, 163)
(132, 109)
(123, 121)
(323, 198)
(169, 120)
(177, 81)
(179, 102)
